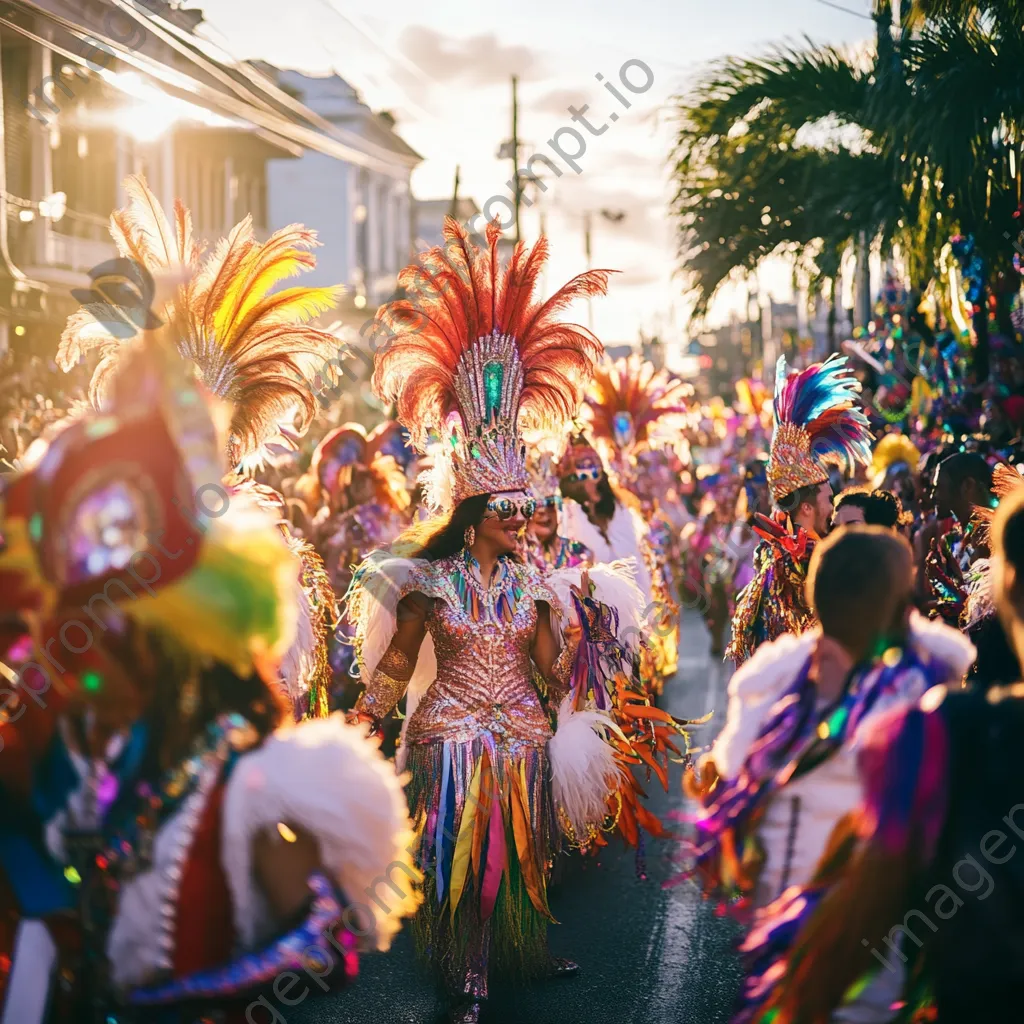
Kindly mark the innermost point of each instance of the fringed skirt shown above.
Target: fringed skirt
(484, 822)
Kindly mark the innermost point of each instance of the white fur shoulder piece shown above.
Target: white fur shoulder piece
(943, 643)
(755, 687)
(329, 780)
(615, 586)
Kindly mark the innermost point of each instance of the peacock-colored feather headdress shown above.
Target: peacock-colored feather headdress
(472, 356)
(817, 422)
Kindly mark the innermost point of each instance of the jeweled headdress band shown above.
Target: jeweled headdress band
(473, 357)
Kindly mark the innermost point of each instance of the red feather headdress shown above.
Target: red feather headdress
(472, 356)
(250, 346)
(632, 404)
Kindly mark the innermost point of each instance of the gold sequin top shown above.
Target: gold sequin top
(482, 639)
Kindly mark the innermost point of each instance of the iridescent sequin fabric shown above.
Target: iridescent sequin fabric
(484, 673)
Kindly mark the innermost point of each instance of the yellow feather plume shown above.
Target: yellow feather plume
(251, 346)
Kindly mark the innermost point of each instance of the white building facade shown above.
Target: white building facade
(361, 207)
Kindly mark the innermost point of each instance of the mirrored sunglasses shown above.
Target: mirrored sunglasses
(587, 474)
(506, 508)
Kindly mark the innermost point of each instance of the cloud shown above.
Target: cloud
(479, 60)
(643, 216)
(637, 277)
(558, 102)
(632, 160)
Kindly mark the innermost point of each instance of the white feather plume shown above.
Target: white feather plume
(299, 660)
(615, 586)
(584, 772)
(326, 778)
(980, 599)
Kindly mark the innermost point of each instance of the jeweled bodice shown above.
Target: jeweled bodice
(484, 681)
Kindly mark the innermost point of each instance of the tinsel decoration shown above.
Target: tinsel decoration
(972, 269)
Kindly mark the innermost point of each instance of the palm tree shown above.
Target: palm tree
(806, 151)
(778, 155)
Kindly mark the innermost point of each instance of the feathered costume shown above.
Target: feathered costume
(940, 778)
(472, 357)
(346, 538)
(250, 346)
(786, 774)
(817, 422)
(149, 849)
(632, 408)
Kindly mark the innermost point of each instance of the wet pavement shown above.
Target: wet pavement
(647, 955)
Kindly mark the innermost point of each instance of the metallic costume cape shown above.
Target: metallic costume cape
(773, 602)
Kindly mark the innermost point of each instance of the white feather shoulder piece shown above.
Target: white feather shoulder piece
(329, 780)
(753, 690)
(614, 585)
(944, 643)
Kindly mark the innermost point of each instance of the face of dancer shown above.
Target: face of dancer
(848, 515)
(544, 522)
(816, 515)
(587, 478)
(504, 520)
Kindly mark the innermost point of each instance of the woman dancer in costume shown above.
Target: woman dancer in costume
(634, 408)
(149, 799)
(475, 358)
(543, 545)
(252, 349)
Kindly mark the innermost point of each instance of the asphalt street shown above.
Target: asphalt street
(647, 955)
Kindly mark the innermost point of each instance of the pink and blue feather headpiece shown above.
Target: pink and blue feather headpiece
(818, 421)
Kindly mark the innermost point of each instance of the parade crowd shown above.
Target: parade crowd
(461, 607)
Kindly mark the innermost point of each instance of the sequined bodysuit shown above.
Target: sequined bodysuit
(484, 680)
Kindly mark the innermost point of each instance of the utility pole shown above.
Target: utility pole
(453, 210)
(515, 150)
(590, 266)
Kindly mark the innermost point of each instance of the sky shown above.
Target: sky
(444, 69)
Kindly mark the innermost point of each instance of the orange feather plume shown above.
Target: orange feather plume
(653, 400)
(458, 294)
(1005, 481)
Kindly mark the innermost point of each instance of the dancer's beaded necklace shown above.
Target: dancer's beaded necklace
(496, 602)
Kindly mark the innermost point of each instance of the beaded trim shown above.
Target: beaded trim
(189, 817)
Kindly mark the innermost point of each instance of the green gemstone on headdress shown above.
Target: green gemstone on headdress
(35, 527)
(475, 451)
(494, 377)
